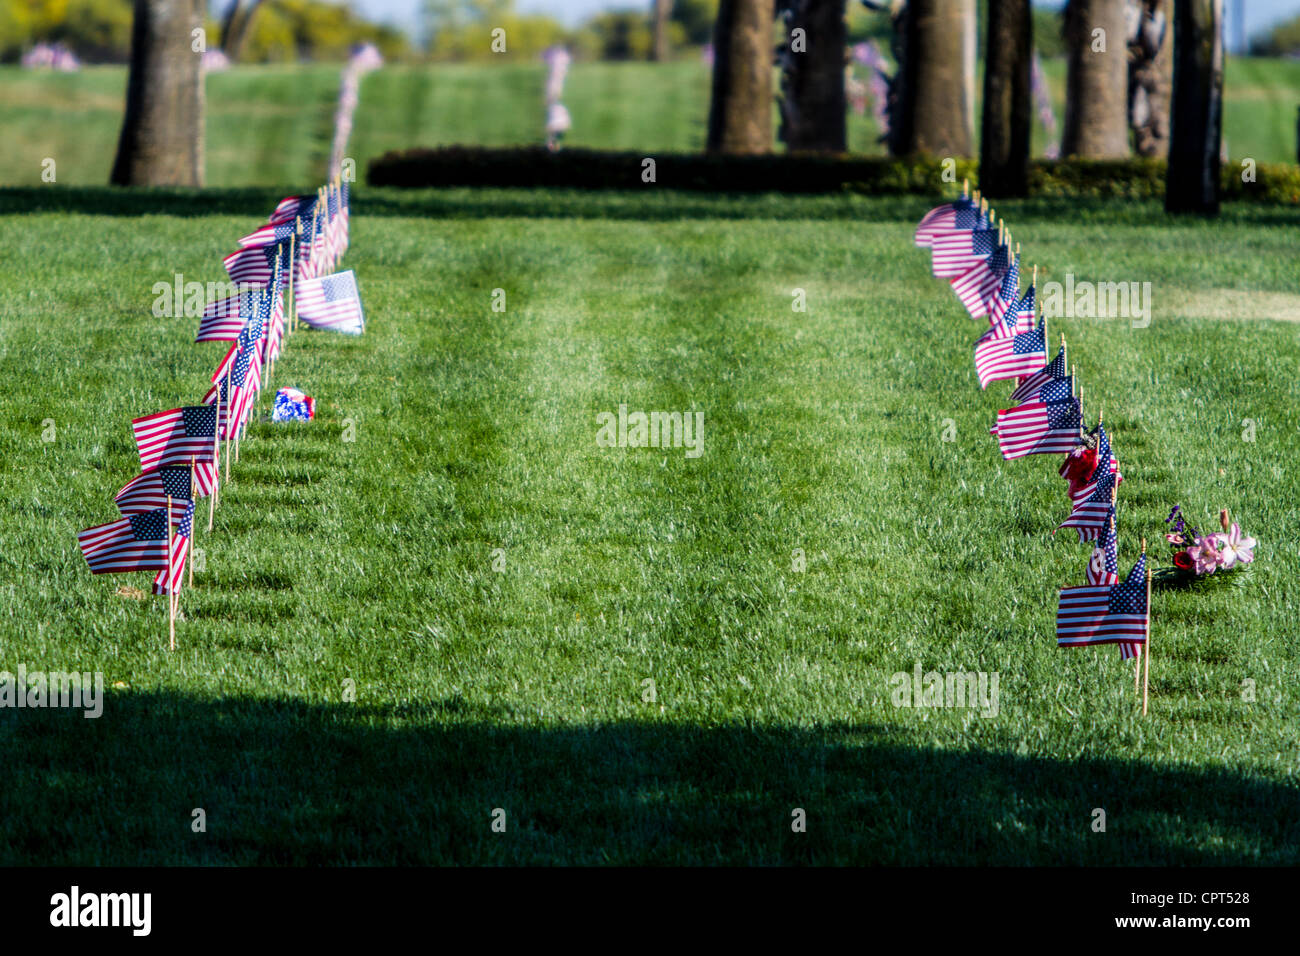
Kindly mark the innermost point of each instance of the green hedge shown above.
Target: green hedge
(792, 173)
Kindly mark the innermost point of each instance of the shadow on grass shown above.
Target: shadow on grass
(283, 782)
(652, 204)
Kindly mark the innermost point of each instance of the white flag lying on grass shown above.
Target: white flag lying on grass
(331, 302)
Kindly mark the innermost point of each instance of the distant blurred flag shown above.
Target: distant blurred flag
(223, 319)
(346, 210)
(175, 436)
(956, 252)
(331, 302)
(1104, 613)
(170, 578)
(975, 286)
(293, 207)
(277, 231)
(960, 215)
(1039, 428)
(149, 490)
(1053, 371)
(997, 359)
(254, 265)
(134, 543)
(292, 404)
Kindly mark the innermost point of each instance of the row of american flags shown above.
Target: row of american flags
(973, 250)
(285, 274)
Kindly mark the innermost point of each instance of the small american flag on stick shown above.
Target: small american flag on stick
(951, 217)
(332, 302)
(1051, 372)
(1105, 614)
(957, 252)
(148, 490)
(175, 437)
(997, 359)
(169, 579)
(1039, 428)
(134, 543)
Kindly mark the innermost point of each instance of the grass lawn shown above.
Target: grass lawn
(272, 125)
(372, 561)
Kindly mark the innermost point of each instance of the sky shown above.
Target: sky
(405, 13)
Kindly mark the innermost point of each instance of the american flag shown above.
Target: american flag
(1018, 320)
(276, 332)
(149, 490)
(223, 319)
(1051, 372)
(134, 543)
(1007, 294)
(954, 253)
(332, 302)
(959, 215)
(255, 265)
(1103, 566)
(276, 231)
(974, 287)
(238, 361)
(174, 437)
(168, 581)
(293, 206)
(1104, 613)
(1104, 453)
(1039, 428)
(333, 220)
(1091, 513)
(1002, 358)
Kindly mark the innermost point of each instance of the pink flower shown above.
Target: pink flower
(1205, 554)
(1236, 548)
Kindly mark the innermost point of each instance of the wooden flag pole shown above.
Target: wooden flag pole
(965, 188)
(216, 464)
(171, 603)
(1146, 657)
(193, 497)
(293, 301)
(228, 420)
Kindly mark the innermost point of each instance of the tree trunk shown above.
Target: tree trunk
(1005, 127)
(234, 28)
(161, 140)
(1096, 83)
(935, 86)
(1192, 184)
(813, 106)
(740, 110)
(1149, 76)
(662, 11)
